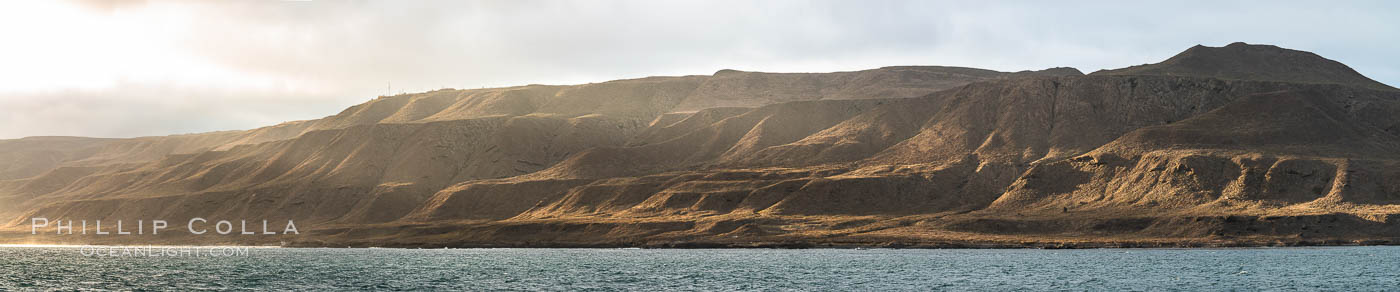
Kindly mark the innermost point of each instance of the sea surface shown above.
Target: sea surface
(1249, 269)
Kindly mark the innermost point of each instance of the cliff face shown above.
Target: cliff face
(1281, 146)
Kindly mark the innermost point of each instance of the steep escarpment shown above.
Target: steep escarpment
(643, 98)
(1216, 146)
(981, 162)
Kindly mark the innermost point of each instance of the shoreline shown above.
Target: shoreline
(727, 247)
(939, 245)
(785, 245)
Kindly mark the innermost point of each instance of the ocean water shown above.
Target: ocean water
(1252, 269)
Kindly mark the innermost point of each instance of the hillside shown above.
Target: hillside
(1243, 144)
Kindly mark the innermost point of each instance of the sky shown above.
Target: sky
(124, 68)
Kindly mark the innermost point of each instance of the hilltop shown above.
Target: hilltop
(1243, 61)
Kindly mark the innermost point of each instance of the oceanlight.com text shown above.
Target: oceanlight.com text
(154, 251)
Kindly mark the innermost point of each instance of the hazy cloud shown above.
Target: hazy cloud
(129, 68)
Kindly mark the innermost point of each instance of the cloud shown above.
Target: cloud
(152, 68)
(109, 6)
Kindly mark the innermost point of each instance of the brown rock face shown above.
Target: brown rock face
(1243, 144)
